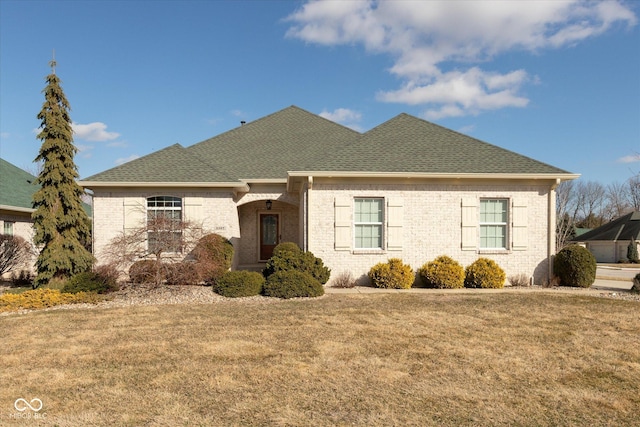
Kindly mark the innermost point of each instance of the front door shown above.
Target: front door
(269, 234)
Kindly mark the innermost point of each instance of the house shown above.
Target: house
(609, 242)
(406, 189)
(16, 191)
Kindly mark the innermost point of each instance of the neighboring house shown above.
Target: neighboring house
(406, 189)
(16, 190)
(609, 242)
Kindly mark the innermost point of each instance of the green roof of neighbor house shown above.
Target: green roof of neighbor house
(294, 140)
(16, 187)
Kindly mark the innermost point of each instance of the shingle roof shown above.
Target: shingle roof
(621, 229)
(171, 164)
(16, 186)
(409, 144)
(296, 140)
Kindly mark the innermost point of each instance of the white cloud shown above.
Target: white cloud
(424, 37)
(123, 160)
(344, 116)
(94, 132)
(632, 158)
(4, 135)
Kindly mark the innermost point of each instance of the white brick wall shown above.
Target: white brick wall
(431, 220)
(431, 225)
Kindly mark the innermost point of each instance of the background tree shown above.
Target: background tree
(62, 228)
(15, 252)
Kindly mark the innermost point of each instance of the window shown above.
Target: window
(8, 228)
(493, 223)
(164, 224)
(368, 222)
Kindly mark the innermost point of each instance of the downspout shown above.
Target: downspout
(307, 227)
(551, 245)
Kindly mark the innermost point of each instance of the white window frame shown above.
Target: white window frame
(379, 224)
(8, 228)
(504, 224)
(168, 204)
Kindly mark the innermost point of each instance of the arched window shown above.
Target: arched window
(164, 224)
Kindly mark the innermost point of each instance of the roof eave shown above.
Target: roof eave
(16, 209)
(242, 186)
(360, 174)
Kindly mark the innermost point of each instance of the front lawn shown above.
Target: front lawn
(380, 359)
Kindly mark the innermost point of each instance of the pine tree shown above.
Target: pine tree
(632, 251)
(60, 222)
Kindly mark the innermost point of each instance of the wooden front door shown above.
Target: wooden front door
(269, 234)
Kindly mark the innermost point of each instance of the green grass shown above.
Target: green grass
(366, 360)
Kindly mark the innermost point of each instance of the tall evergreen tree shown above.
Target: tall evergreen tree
(60, 222)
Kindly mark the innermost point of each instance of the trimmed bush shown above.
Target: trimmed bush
(484, 273)
(90, 281)
(213, 255)
(575, 266)
(287, 256)
(146, 271)
(283, 247)
(235, 284)
(636, 284)
(292, 284)
(43, 298)
(443, 272)
(392, 274)
(182, 273)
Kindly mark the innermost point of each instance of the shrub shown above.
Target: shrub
(344, 280)
(182, 273)
(519, 280)
(22, 279)
(236, 284)
(287, 256)
(90, 281)
(283, 247)
(146, 271)
(213, 255)
(443, 272)
(636, 284)
(632, 252)
(43, 298)
(292, 284)
(575, 266)
(392, 274)
(484, 273)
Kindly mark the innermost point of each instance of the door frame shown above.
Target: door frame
(278, 216)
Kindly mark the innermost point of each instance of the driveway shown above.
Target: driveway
(614, 278)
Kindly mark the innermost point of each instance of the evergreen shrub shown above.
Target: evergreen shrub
(632, 252)
(574, 265)
(288, 256)
(292, 284)
(392, 274)
(444, 272)
(484, 273)
(90, 281)
(235, 284)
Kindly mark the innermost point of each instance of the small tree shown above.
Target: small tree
(632, 252)
(62, 228)
(15, 252)
(159, 237)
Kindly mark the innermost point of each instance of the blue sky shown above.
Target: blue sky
(556, 81)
